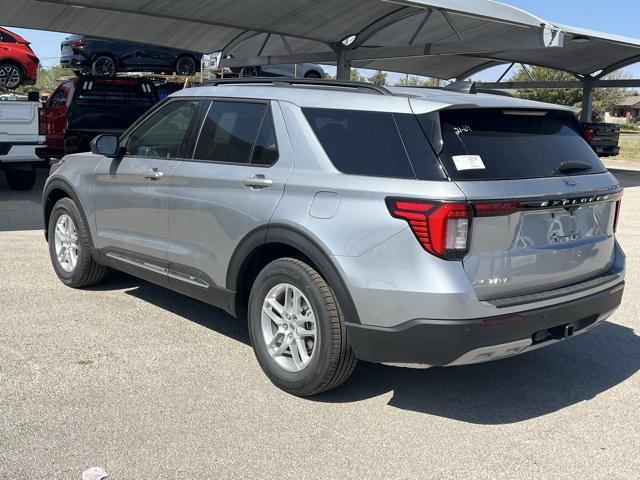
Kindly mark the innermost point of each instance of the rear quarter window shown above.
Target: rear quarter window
(511, 144)
(377, 144)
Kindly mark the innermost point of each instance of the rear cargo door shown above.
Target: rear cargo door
(544, 204)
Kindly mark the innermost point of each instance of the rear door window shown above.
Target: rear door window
(377, 144)
(230, 131)
(496, 144)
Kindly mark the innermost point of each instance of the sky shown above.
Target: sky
(621, 17)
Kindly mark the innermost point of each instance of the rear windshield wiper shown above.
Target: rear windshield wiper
(568, 167)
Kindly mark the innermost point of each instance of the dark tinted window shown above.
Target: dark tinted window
(109, 104)
(229, 132)
(265, 151)
(163, 133)
(7, 38)
(424, 161)
(100, 91)
(494, 144)
(59, 98)
(374, 143)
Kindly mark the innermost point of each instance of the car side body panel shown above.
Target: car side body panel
(211, 210)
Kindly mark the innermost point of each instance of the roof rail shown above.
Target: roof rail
(290, 81)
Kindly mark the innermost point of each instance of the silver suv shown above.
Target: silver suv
(347, 221)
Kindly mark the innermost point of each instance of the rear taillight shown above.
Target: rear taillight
(617, 216)
(588, 133)
(441, 228)
(78, 43)
(495, 209)
(41, 123)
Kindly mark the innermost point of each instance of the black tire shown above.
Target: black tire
(186, 66)
(11, 75)
(104, 66)
(87, 271)
(333, 360)
(312, 75)
(20, 180)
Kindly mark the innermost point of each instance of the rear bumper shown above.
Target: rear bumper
(607, 151)
(19, 153)
(76, 61)
(459, 342)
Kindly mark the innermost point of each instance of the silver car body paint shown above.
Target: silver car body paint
(199, 212)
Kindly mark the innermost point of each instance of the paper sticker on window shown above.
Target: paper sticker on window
(468, 162)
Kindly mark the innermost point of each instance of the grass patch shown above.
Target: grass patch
(629, 151)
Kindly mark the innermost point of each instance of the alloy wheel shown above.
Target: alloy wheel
(186, 66)
(289, 327)
(66, 243)
(104, 66)
(10, 76)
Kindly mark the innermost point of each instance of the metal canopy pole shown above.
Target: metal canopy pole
(343, 71)
(588, 92)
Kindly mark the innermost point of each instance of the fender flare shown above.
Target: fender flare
(61, 184)
(289, 236)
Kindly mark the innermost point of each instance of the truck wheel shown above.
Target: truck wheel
(11, 75)
(186, 66)
(20, 180)
(70, 247)
(297, 330)
(104, 66)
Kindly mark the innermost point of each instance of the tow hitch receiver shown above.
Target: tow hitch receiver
(556, 333)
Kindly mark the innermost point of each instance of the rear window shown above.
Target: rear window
(375, 144)
(495, 144)
(101, 92)
(109, 105)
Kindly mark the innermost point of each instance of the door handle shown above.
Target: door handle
(258, 182)
(153, 174)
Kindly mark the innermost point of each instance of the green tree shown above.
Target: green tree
(48, 80)
(409, 81)
(605, 98)
(355, 76)
(379, 78)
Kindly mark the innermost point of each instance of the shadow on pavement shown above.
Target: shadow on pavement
(21, 210)
(181, 305)
(627, 178)
(507, 391)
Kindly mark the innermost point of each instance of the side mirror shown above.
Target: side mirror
(107, 145)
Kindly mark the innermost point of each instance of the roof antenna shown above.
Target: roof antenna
(460, 86)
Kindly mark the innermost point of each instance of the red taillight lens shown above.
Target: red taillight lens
(441, 228)
(78, 43)
(588, 133)
(495, 209)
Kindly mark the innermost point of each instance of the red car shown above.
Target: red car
(18, 63)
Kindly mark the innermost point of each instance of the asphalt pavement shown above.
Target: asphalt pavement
(151, 385)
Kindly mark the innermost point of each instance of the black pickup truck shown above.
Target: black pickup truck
(84, 107)
(603, 138)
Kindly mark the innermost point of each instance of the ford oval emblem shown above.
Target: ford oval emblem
(571, 183)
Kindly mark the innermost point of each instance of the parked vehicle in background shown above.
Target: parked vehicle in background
(300, 70)
(19, 139)
(100, 56)
(603, 138)
(349, 221)
(83, 107)
(18, 63)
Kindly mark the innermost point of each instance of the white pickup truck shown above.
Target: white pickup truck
(19, 139)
